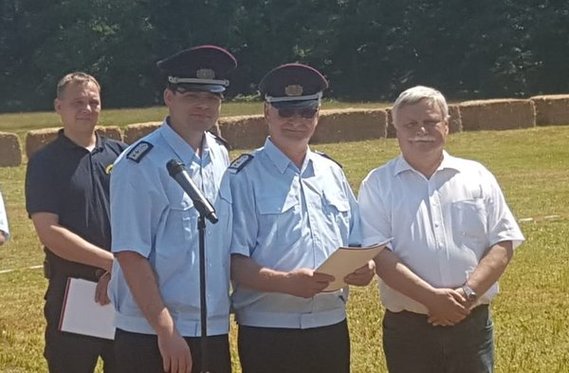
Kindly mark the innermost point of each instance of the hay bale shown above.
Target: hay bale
(391, 132)
(37, 139)
(454, 125)
(455, 120)
(135, 131)
(10, 150)
(498, 114)
(244, 132)
(112, 132)
(551, 110)
(350, 125)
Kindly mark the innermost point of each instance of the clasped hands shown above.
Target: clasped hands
(448, 307)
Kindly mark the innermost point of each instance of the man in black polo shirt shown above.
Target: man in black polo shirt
(67, 198)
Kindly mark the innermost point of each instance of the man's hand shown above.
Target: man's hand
(361, 276)
(306, 283)
(175, 352)
(468, 304)
(101, 295)
(447, 308)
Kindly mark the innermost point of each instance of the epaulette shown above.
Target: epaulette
(139, 151)
(330, 158)
(238, 164)
(221, 140)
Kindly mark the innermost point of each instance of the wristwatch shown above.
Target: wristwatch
(469, 293)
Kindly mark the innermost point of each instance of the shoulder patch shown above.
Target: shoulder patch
(139, 151)
(221, 140)
(238, 164)
(330, 158)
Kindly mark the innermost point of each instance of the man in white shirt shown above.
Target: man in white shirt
(4, 231)
(453, 236)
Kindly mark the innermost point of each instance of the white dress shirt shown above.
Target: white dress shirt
(3, 219)
(441, 227)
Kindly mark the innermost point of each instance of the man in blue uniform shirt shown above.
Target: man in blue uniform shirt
(67, 198)
(291, 209)
(155, 239)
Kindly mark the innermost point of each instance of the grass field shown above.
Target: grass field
(531, 314)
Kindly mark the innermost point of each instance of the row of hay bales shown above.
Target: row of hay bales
(245, 132)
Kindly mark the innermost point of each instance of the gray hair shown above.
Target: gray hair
(75, 77)
(418, 93)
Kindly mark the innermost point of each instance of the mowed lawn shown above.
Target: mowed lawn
(531, 314)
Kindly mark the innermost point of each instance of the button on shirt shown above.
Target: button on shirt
(3, 219)
(286, 218)
(155, 218)
(441, 227)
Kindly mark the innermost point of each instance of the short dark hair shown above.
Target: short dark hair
(75, 77)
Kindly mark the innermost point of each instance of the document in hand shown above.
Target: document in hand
(346, 260)
(82, 315)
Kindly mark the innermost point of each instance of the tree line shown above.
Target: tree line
(368, 49)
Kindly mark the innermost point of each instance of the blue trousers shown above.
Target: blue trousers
(411, 344)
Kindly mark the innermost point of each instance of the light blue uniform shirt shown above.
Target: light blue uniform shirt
(3, 219)
(153, 216)
(285, 218)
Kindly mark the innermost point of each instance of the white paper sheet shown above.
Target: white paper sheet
(82, 315)
(346, 260)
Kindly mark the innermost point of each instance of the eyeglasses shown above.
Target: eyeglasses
(289, 112)
(427, 124)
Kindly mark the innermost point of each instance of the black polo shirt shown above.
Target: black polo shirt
(66, 179)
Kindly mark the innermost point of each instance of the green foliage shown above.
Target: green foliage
(369, 49)
(530, 314)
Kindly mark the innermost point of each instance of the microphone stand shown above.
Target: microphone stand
(203, 297)
(178, 172)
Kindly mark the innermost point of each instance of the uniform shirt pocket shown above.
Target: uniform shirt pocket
(279, 220)
(179, 231)
(337, 211)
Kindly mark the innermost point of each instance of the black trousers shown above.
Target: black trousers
(139, 353)
(68, 352)
(467, 347)
(278, 350)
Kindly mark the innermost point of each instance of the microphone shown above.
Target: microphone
(179, 173)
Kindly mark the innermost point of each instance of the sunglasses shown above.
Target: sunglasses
(289, 112)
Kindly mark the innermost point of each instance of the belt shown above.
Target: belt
(420, 316)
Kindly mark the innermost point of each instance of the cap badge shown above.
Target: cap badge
(293, 90)
(205, 74)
